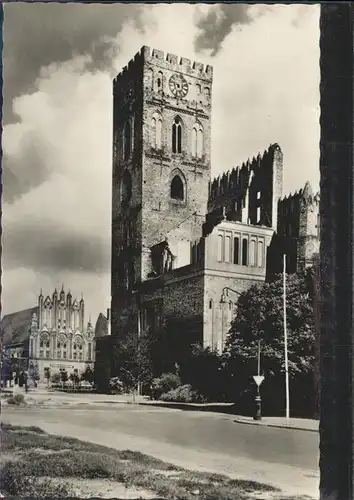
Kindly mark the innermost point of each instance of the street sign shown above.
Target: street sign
(258, 379)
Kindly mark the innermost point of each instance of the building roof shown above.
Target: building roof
(15, 326)
(101, 328)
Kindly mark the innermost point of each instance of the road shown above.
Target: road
(284, 457)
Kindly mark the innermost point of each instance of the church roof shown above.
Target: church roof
(15, 326)
(101, 328)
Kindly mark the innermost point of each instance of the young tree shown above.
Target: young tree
(88, 375)
(260, 317)
(64, 377)
(132, 359)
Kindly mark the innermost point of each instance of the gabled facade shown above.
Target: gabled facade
(51, 336)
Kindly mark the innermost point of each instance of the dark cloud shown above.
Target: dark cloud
(48, 249)
(36, 35)
(27, 169)
(217, 23)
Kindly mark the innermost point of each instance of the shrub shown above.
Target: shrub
(55, 378)
(182, 394)
(164, 384)
(17, 399)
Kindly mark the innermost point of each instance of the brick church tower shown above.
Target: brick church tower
(161, 166)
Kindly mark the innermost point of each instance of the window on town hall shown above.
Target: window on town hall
(197, 140)
(244, 251)
(177, 135)
(62, 347)
(156, 131)
(177, 188)
(44, 347)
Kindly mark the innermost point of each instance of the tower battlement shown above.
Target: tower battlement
(165, 60)
(236, 180)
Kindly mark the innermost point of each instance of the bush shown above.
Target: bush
(164, 384)
(55, 378)
(17, 399)
(182, 394)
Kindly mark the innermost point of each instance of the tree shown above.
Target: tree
(47, 374)
(203, 370)
(132, 360)
(88, 375)
(74, 377)
(260, 317)
(64, 377)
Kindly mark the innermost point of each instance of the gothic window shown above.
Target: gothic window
(62, 347)
(258, 215)
(127, 140)
(47, 316)
(150, 79)
(77, 347)
(159, 80)
(260, 253)
(197, 140)
(177, 135)
(253, 256)
(126, 189)
(177, 188)
(156, 131)
(44, 346)
(207, 90)
(198, 89)
(244, 252)
(236, 250)
(210, 304)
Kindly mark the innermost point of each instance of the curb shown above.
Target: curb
(278, 426)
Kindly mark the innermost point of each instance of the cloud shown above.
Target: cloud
(216, 24)
(35, 36)
(57, 157)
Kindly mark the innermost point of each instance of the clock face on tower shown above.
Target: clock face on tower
(178, 85)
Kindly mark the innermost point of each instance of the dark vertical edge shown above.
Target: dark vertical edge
(1, 153)
(336, 252)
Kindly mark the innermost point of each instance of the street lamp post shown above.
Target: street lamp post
(258, 380)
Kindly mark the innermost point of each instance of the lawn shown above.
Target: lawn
(39, 465)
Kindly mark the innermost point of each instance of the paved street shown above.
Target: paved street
(284, 457)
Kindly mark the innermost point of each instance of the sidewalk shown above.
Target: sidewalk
(302, 424)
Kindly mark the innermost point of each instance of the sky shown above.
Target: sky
(58, 64)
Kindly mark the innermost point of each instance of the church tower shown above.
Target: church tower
(161, 164)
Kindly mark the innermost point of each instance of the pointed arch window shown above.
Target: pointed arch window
(159, 80)
(177, 188)
(127, 140)
(150, 79)
(177, 135)
(197, 141)
(156, 131)
(126, 189)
